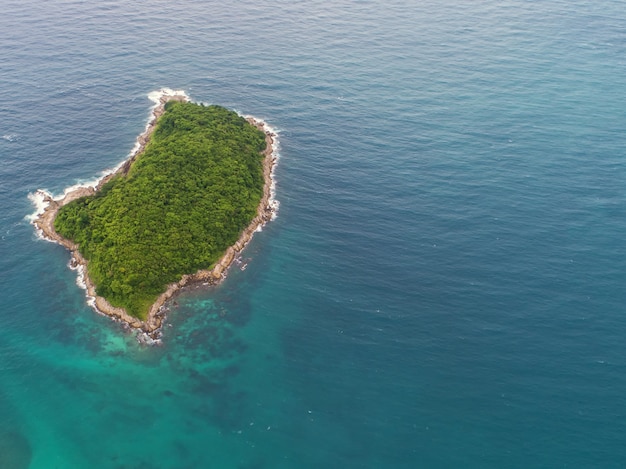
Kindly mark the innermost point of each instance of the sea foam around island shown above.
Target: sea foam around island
(275, 155)
(41, 197)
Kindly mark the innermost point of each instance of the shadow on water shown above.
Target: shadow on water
(15, 450)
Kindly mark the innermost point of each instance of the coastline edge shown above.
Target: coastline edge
(44, 218)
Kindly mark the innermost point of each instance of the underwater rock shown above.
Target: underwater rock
(15, 450)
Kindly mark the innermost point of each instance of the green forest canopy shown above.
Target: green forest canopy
(185, 200)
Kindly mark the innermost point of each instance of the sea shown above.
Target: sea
(444, 285)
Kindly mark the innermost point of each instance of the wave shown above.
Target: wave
(274, 133)
(82, 284)
(39, 199)
(156, 96)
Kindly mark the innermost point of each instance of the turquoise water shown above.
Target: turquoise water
(443, 286)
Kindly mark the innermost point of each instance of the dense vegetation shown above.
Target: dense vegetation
(184, 201)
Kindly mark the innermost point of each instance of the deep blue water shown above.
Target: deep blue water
(443, 286)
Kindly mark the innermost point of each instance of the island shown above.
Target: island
(188, 199)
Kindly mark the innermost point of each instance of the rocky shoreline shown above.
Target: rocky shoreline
(151, 327)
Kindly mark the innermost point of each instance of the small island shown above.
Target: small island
(188, 199)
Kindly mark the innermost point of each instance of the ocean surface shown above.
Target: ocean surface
(444, 285)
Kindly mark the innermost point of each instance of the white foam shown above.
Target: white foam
(80, 274)
(38, 199)
(10, 137)
(82, 284)
(134, 151)
(273, 202)
(155, 96)
(275, 205)
(145, 339)
(78, 185)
